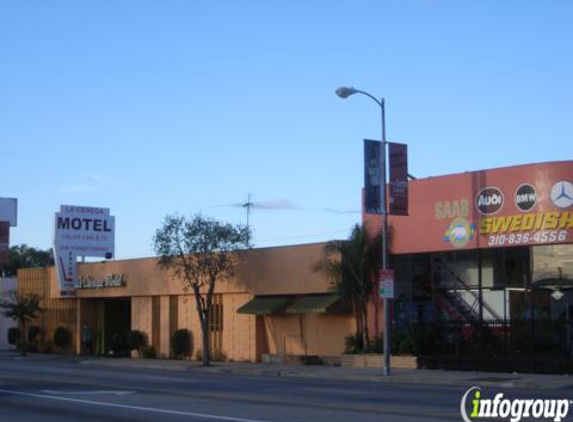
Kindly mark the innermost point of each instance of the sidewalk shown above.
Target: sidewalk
(406, 376)
(402, 376)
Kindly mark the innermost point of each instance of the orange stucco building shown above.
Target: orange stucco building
(275, 305)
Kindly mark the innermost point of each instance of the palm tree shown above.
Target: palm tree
(350, 266)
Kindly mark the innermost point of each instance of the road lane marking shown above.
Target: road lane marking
(89, 392)
(159, 378)
(130, 407)
(332, 390)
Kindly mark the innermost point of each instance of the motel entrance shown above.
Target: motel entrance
(108, 320)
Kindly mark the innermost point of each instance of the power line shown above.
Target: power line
(304, 236)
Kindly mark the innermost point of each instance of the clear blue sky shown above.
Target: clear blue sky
(151, 107)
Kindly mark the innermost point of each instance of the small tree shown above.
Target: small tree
(22, 308)
(200, 252)
(350, 267)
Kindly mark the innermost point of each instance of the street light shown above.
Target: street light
(345, 92)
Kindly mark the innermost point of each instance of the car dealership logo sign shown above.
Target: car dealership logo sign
(562, 194)
(489, 200)
(513, 410)
(460, 232)
(525, 197)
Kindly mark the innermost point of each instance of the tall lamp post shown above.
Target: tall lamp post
(345, 92)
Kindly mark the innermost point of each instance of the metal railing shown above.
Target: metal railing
(526, 345)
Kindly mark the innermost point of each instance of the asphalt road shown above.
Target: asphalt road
(69, 391)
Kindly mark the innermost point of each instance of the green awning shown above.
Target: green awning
(313, 304)
(263, 305)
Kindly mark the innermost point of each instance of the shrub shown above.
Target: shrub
(14, 334)
(24, 346)
(181, 344)
(148, 352)
(118, 345)
(45, 346)
(404, 343)
(218, 356)
(33, 333)
(61, 338)
(376, 345)
(136, 340)
(353, 344)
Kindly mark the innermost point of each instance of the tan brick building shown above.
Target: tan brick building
(275, 305)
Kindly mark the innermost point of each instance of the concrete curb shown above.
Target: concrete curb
(399, 376)
(421, 377)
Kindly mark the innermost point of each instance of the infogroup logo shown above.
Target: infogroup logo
(513, 410)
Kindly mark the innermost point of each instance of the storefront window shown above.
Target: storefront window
(553, 264)
(552, 281)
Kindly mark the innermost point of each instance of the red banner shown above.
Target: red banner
(398, 178)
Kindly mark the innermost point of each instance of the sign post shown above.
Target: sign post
(386, 284)
(80, 231)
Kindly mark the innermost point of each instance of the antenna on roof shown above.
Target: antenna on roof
(248, 205)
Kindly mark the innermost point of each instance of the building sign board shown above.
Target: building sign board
(513, 206)
(80, 231)
(110, 280)
(8, 218)
(9, 211)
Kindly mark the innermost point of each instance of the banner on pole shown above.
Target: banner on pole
(373, 167)
(398, 178)
(386, 284)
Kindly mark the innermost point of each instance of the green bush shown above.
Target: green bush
(148, 352)
(136, 340)
(45, 346)
(24, 346)
(14, 334)
(376, 345)
(33, 333)
(353, 344)
(404, 343)
(218, 356)
(118, 345)
(61, 338)
(181, 346)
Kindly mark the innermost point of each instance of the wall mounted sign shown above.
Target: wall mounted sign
(110, 280)
(8, 218)
(513, 206)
